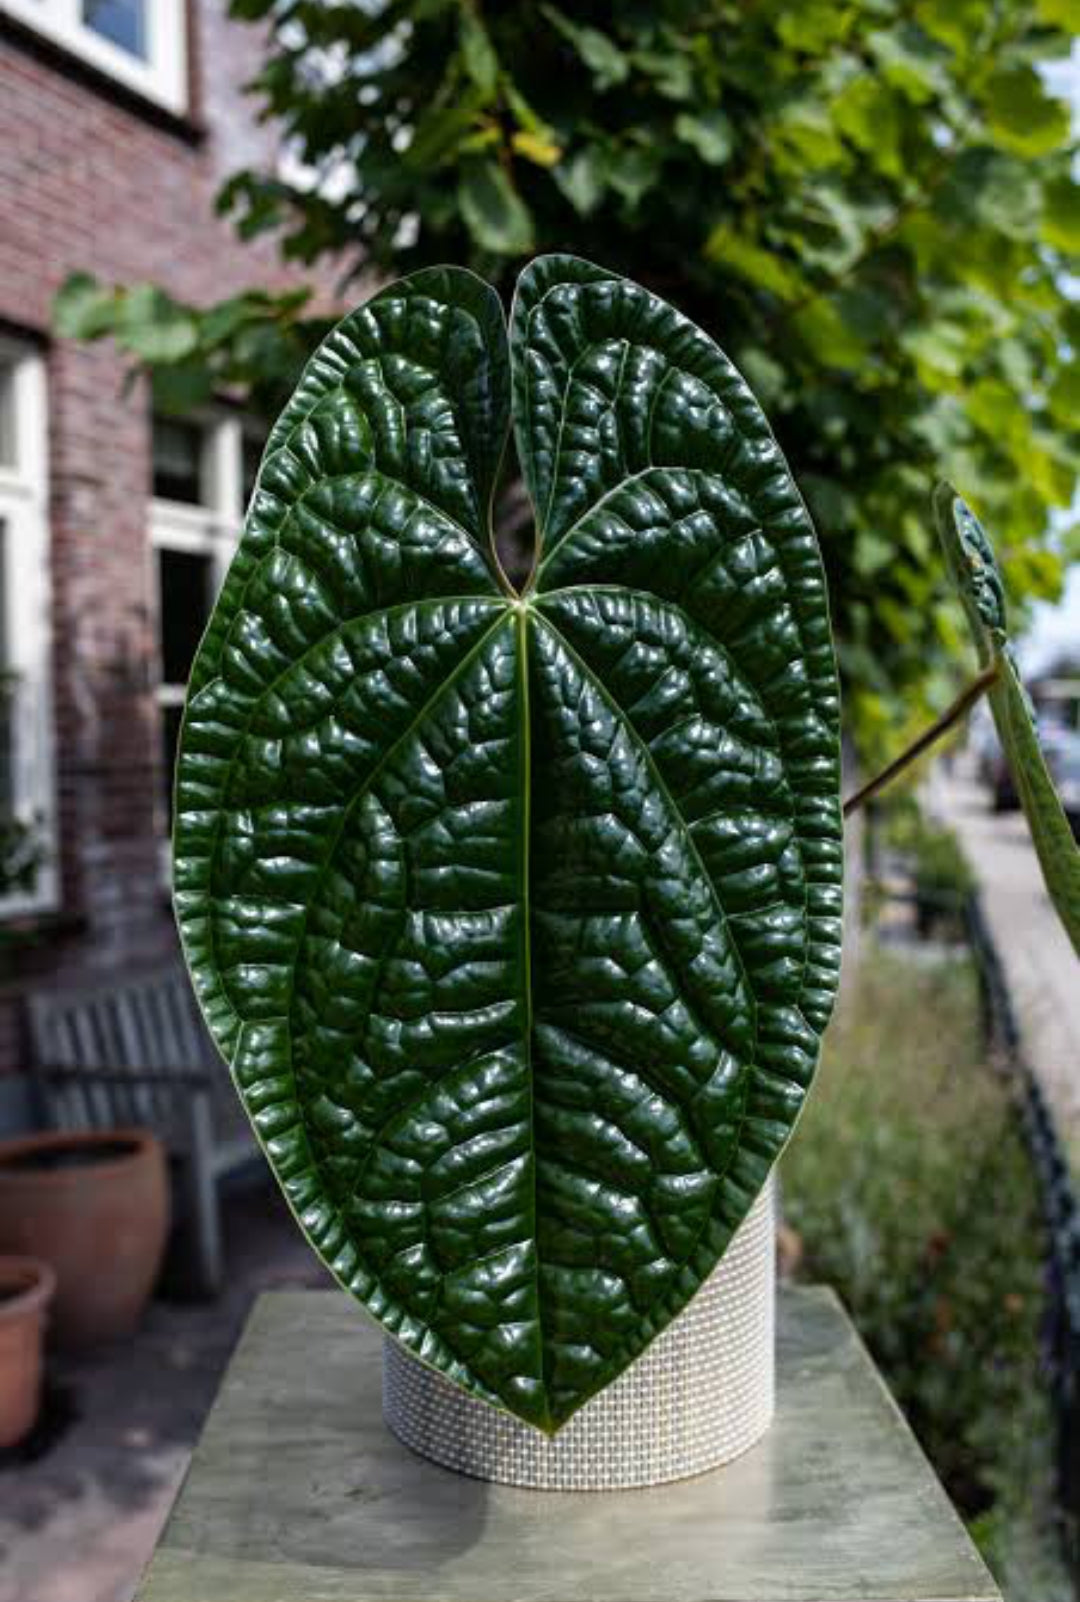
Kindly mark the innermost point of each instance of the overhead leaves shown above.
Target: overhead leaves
(84, 308)
(582, 180)
(517, 917)
(756, 266)
(600, 54)
(481, 62)
(494, 212)
(817, 184)
(536, 148)
(1061, 216)
(146, 321)
(1023, 116)
(709, 133)
(867, 112)
(975, 574)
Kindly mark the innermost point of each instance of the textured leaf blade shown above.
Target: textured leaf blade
(974, 572)
(686, 849)
(517, 919)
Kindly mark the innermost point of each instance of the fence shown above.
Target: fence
(1062, 1216)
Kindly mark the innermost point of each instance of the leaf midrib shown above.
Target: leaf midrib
(522, 613)
(685, 828)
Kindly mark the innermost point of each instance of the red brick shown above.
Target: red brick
(90, 183)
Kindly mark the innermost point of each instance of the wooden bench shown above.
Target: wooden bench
(134, 1051)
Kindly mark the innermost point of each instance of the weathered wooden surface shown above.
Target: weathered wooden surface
(298, 1493)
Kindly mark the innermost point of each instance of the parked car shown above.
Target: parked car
(1064, 764)
(995, 772)
(1055, 737)
(991, 768)
(984, 743)
(1002, 786)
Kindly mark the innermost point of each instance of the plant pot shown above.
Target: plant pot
(94, 1205)
(26, 1288)
(699, 1396)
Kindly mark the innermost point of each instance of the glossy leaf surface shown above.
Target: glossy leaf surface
(974, 571)
(518, 918)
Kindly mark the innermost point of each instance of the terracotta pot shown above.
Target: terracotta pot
(26, 1288)
(94, 1205)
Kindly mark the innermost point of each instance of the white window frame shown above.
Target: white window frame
(210, 529)
(162, 77)
(24, 512)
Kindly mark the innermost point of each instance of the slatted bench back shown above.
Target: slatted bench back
(123, 1051)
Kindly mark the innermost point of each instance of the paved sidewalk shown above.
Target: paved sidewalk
(1041, 967)
(78, 1524)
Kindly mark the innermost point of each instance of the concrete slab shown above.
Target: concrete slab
(298, 1493)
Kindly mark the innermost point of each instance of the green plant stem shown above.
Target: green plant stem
(963, 704)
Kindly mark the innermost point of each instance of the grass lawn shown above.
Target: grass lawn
(910, 1187)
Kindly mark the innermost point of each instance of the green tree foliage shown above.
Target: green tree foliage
(869, 205)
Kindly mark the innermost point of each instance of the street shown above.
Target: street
(1040, 965)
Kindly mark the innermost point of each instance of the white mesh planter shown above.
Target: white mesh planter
(700, 1395)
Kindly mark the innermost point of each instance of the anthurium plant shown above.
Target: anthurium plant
(974, 572)
(980, 589)
(516, 913)
(516, 910)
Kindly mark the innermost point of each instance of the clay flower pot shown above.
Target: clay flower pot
(26, 1288)
(94, 1205)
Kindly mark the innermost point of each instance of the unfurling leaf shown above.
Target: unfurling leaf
(517, 916)
(974, 571)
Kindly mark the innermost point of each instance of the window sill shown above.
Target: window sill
(53, 54)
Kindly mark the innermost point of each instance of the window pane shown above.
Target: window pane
(170, 734)
(184, 592)
(251, 458)
(178, 461)
(7, 415)
(122, 22)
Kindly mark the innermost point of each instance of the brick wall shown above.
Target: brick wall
(91, 181)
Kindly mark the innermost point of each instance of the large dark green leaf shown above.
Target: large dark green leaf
(518, 918)
(974, 571)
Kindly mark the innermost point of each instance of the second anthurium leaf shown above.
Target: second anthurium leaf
(974, 571)
(517, 916)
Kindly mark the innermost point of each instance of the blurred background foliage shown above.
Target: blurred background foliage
(911, 1192)
(870, 205)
